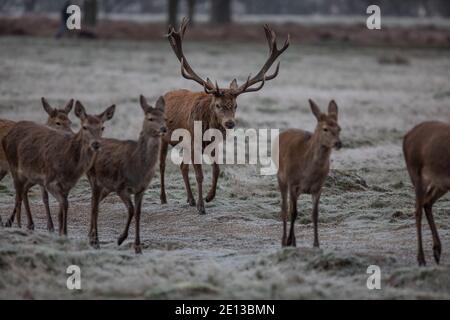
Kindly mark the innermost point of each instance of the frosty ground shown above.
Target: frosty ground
(366, 214)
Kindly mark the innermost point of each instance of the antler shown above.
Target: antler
(274, 53)
(176, 42)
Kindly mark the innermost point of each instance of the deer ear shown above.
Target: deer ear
(234, 85)
(144, 104)
(108, 113)
(315, 110)
(161, 104)
(68, 107)
(80, 112)
(51, 112)
(333, 109)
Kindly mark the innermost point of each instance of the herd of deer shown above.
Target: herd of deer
(55, 158)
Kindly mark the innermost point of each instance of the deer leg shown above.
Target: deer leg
(63, 209)
(185, 173)
(3, 174)
(126, 198)
(50, 226)
(419, 205)
(215, 176)
(429, 214)
(162, 169)
(291, 241)
(199, 177)
(17, 206)
(95, 202)
(138, 205)
(315, 218)
(284, 209)
(30, 225)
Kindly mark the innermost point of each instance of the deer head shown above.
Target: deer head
(327, 128)
(92, 125)
(58, 118)
(155, 120)
(224, 99)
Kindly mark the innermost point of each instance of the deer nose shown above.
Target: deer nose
(163, 129)
(338, 145)
(95, 145)
(229, 124)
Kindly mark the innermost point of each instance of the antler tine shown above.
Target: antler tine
(274, 53)
(176, 42)
(263, 82)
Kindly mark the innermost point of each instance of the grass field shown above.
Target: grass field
(366, 212)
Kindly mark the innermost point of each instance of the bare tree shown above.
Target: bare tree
(221, 11)
(172, 11)
(191, 10)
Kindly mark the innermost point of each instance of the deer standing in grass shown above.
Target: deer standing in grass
(57, 119)
(427, 154)
(126, 168)
(215, 107)
(53, 159)
(303, 165)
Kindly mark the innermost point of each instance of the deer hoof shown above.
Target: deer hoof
(201, 210)
(8, 224)
(138, 249)
(421, 261)
(437, 253)
(95, 244)
(51, 228)
(121, 239)
(191, 202)
(210, 198)
(163, 201)
(30, 227)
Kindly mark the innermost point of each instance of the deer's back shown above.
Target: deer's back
(36, 151)
(427, 150)
(5, 127)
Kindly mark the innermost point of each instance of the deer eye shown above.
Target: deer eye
(325, 129)
(58, 123)
(103, 128)
(84, 128)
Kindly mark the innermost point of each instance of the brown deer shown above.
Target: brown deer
(215, 107)
(53, 159)
(57, 119)
(126, 168)
(303, 164)
(427, 154)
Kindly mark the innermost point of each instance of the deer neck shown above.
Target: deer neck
(317, 151)
(147, 149)
(81, 153)
(204, 112)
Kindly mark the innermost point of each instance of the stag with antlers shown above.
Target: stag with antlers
(215, 107)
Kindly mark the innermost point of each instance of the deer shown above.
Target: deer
(303, 160)
(127, 168)
(215, 107)
(52, 159)
(426, 151)
(57, 119)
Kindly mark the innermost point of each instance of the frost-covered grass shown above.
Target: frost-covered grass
(366, 215)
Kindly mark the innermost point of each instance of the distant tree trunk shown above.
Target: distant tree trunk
(29, 5)
(172, 13)
(191, 10)
(221, 11)
(90, 12)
